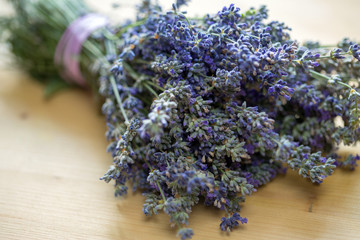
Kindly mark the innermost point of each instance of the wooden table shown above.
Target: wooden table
(52, 154)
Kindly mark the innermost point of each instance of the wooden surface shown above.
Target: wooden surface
(52, 154)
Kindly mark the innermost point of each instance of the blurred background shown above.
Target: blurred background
(327, 21)
(324, 20)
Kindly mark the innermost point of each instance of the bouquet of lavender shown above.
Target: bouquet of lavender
(61, 43)
(207, 110)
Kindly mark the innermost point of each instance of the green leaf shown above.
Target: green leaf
(55, 85)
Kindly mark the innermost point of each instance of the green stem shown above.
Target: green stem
(202, 75)
(250, 35)
(140, 79)
(327, 46)
(178, 225)
(155, 85)
(211, 27)
(226, 39)
(135, 24)
(187, 20)
(227, 211)
(322, 57)
(157, 182)
(118, 99)
(161, 191)
(109, 46)
(340, 54)
(131, 71)
(139, 60)
(320, 76)
(91, 47)
(150, 89)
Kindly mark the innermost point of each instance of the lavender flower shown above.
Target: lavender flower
(229, 223)
(185, 233)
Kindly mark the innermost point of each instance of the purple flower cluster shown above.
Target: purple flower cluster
(229, 223)
(215, 107)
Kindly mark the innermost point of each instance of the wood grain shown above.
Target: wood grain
(52, 154)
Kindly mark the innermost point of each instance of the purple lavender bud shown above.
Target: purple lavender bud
(271, 90)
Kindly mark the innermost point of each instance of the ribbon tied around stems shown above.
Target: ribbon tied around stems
(69, 47)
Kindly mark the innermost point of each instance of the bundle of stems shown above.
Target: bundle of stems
(34, 32)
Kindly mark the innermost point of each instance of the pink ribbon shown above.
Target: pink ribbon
(70, 44)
